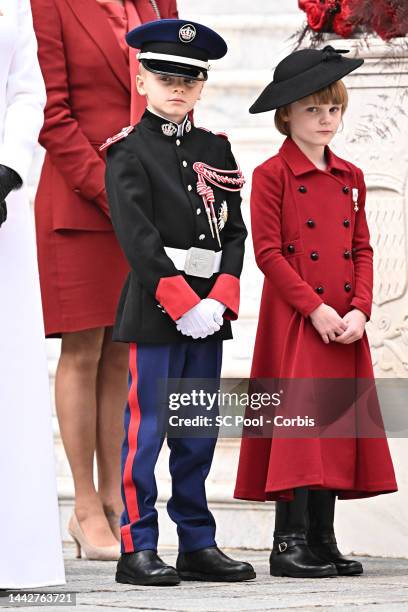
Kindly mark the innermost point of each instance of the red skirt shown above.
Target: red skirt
(81, 276)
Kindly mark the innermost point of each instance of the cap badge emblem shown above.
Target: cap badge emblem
(187, 33)
(169, 129)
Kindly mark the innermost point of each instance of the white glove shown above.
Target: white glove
(219, 309)
(203, 320)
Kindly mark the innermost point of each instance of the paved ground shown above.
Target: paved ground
(383, 587)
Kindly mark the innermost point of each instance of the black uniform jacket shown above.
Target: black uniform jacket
(152, 192)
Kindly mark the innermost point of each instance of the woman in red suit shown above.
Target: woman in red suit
(89, 74)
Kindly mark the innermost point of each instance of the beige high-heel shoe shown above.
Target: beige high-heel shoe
(114, 523)
(94, 553)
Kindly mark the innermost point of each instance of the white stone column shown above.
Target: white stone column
(375, 139)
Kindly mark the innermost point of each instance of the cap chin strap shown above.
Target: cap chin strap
(179, 59)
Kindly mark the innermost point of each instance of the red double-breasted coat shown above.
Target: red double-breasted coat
(312, 247)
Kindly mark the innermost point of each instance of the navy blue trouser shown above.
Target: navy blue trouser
(190, 458)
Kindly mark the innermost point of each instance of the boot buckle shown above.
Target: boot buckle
(282, 547)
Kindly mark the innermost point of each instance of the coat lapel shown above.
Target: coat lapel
(93, 19)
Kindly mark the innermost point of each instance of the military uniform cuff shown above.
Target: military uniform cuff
(227, 290)
(176, 296)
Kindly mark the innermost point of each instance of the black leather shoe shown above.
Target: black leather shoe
(146, 568)
(326, 549)
(212, 565)
(292, 557)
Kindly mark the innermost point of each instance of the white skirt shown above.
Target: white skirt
(31, 551)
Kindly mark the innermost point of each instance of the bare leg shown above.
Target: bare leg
(75, 390)
(111, 395)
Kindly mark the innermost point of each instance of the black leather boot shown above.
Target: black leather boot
(212, 565)
(290, 554)
(320, 536)
(146, 568)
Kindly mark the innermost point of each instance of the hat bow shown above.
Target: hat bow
(329, 53)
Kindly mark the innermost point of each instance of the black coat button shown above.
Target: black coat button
(347, 287)
(346, 189)
(302, 189)
(347, 254)
(310, 223)
(319, 290)
(291, 248)
(346, 223)
(314, 255)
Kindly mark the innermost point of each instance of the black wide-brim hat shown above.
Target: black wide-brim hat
(177, 47)
(303, 73)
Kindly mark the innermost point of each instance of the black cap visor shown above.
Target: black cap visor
(175, 69)
(278, 94)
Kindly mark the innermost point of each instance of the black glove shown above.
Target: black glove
(9, 180)
(3, 212)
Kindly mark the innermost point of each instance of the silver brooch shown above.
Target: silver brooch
(188, 126)
(187, 33)
(222, 215)
(355, 199)
(169, 129)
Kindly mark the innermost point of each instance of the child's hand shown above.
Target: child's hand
(355, 321)
(327, 322)
(202, 320)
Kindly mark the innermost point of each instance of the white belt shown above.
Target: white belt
(195, 261)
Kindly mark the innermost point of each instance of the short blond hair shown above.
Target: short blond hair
(335, 93)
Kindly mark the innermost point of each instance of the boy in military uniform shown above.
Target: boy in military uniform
(174, 198)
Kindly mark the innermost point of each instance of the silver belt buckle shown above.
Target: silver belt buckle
(199, 262)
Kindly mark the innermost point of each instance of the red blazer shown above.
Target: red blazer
(88, 99)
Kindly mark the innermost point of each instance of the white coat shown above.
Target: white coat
(30, 554)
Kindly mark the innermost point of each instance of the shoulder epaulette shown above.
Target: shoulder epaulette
(122, 134)
(222, 134)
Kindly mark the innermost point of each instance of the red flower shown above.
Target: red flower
(343, 22)
(388, 18)
(384, 21)
(316, 13)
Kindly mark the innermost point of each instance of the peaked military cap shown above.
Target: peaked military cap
(177, 47)
(303, 73)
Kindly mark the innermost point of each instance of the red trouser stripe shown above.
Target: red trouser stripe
(133, 430)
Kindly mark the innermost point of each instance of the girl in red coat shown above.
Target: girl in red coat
(311, 241)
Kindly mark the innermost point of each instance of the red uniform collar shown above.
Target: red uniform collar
(300, 164)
